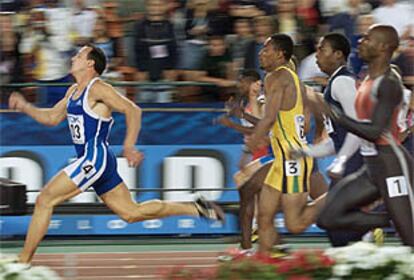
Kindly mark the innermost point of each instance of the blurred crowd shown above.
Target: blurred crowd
(182, 40)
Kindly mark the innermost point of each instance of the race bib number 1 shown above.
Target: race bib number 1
(76, 125)
(292, 168)
(397, 186)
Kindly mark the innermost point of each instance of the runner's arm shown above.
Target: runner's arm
(47, 116)
(344, 91)
(389, 97)
(117, 102)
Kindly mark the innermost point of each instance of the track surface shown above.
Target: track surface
(105, 266)
(134, 259)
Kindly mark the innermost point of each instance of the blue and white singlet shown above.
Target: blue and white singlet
(95, 165)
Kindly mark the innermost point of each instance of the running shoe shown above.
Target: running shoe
(209, 210)
(255, 235)
(378, 236)
(233, 254)
(279, 251)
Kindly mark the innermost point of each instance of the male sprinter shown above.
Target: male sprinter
(387, 172)
(287, 183)
(88, 106)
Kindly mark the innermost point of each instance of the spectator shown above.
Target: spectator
(58, 20)
(83, 22)
(12, 5)
(239, 41)
(404, 59)
(196, 28)
(345, 22)
(10, 67)
(216, 67)
(102, 40)
(177, 11)
(308, 19)
(395, 14)
(155, 50)
(286, 17)
(49, 53)
(246, 9)
(264, 26)
(130, 11)
(113, 25)
(331, 7)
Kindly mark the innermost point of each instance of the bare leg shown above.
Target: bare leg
(299, 214)
(59, 189)
(248, 196)
(318, 185)
(270, 199)
(341, 209)
(119, 200)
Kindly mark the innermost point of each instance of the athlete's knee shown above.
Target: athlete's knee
(295, 228)
(45, 200)
(245, 193)
(265, 218)
(326, 220)
(330, 214)
(239, 178)
(128, 217)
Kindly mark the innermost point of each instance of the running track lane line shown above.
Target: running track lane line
(105, 266)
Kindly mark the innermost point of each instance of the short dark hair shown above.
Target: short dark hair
(98, 56)
(339, 42)
(284, 43)
(250, 74)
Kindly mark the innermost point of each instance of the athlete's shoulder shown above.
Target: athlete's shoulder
(280, 75)
(71, 90)
(391, 79)
(101, 86)
(389, 86)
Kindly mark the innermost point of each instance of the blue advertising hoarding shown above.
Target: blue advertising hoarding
(183, 150)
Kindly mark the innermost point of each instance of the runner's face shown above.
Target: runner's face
(367, 48)
(244, 86)
(80, 60)
(324, 55)
(267, 56)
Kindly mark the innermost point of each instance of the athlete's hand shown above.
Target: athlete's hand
(223, 120)
(296, 153)
(254, 89)
(337, 168)
(17, 101)
(233, 108)
(335, 112)
(133, 156)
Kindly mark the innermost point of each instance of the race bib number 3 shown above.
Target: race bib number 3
(396, 186)
(76, 125)
(292, 168)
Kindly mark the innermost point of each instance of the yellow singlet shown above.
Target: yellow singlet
(286, 175)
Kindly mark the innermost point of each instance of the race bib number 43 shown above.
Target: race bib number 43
(76, 125)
